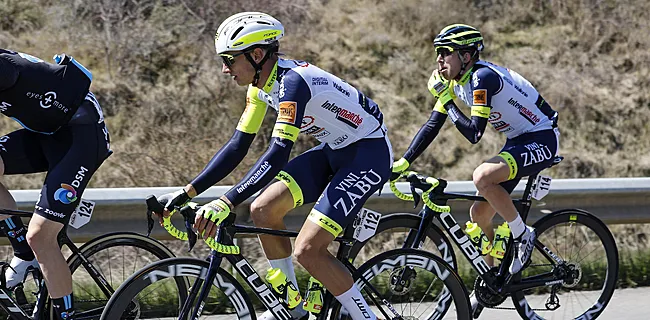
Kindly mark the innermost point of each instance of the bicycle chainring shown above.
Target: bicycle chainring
(484, 295)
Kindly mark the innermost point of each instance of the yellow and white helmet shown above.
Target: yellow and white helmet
(246, 29)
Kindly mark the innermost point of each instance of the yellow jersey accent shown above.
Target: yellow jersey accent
(251, 119)
(481, 112)
(285, 131)
(439, 107)
(294, 188)
(325, 222)
(510, 160)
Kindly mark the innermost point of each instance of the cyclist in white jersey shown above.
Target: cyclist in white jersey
(352, 161)
(510, 103)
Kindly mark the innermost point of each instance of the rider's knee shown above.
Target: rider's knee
(480, 178)
(262, 212)
(306, 254)
(39, 241)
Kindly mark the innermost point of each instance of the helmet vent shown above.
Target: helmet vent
(234, 34)
(264, 22)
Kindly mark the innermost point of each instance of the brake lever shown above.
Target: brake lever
(416, 197)
(150, 222)
(152, 206)
(189, 216)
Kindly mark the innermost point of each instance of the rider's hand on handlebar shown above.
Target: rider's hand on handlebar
(171, 201)
(210, 216)
(399, 166)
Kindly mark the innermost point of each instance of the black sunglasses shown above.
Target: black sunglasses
(229, 59)
(442, 51)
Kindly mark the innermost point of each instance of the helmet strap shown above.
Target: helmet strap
(463, 67)
(258, 66)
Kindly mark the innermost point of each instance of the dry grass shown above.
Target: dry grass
(169, 109)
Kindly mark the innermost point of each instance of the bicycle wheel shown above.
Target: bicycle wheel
(589, 274)
(152, 293)
(107, 262)
(392, 233)
(418, 285)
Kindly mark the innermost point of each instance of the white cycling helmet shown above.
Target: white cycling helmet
(246, 29)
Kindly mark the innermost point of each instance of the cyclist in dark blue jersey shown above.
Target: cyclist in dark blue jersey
(509, 102)
(339, 175)
(64, 135)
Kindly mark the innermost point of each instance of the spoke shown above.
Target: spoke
(592, 251)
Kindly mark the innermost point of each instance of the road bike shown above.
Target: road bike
(388, 280)
(573, 270)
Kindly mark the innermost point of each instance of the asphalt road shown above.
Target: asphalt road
(625, 304)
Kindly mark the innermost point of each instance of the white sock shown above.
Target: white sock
(286, 266)
(356, 305)
(517, 226)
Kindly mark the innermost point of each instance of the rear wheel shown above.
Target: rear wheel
(589, 268)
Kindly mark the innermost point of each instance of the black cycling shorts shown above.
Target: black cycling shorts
(70, 157)
(528, 154)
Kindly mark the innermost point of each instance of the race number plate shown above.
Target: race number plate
(542, 187)
(82, 214)
(368, 224)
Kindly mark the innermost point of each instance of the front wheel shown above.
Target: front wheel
(588, 271)
(415, 283)
(152, 293)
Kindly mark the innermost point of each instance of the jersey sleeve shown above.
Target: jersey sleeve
(253, 116)
(485, 84)
(293, 97)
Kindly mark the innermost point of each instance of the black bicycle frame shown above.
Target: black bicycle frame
(225, 234)
(499, 283)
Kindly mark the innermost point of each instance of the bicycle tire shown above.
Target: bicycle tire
(411, 222)
(415, 258)
(586, 219)
(177, 268)
(137, 245)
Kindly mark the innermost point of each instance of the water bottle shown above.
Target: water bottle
(501, 238)
(314, 296)
(283, 288)
(477, 237)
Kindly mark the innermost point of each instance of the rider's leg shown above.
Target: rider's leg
(42, 237)
(268, 211)
(487, 178)
(19, 153)
(302, 181)
(482, 213)
(312, 254)
(361, 169)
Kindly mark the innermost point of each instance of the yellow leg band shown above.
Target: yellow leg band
(325, 222)
(512, 164)
(293, 186)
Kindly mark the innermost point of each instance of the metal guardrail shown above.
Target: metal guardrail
(614, 200)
